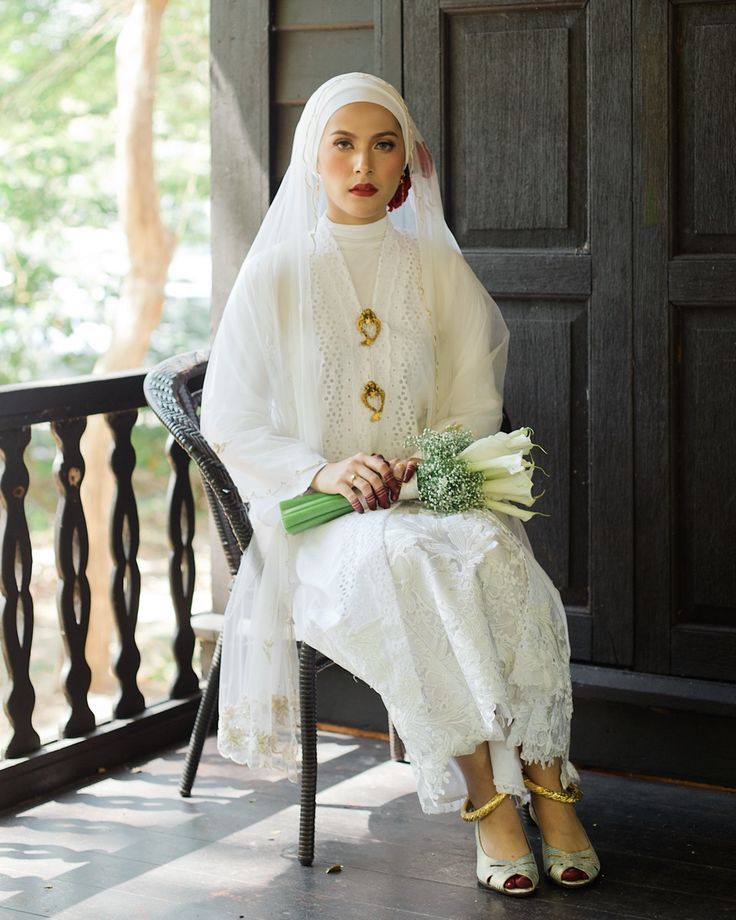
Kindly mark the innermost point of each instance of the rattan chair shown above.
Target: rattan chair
(173, 390)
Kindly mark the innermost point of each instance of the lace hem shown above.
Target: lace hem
(525, 733)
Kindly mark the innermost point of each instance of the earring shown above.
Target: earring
(402, 192)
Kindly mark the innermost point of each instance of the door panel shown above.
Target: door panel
(515, 86)
(685, 305)
(511, 98)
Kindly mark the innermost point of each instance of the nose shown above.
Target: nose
(364, 162)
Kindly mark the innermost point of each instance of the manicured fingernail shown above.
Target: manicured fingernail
(407, 474)
(382, 498)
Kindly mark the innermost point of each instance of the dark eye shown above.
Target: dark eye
(386, 145)
(341, 142)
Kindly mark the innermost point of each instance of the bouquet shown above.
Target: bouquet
(456, 474)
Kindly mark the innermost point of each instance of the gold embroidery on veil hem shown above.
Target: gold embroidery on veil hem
(238, 733)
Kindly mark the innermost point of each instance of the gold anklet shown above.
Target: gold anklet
(571, 795)
(467, 813)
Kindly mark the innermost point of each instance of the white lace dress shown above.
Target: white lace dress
(449, 618)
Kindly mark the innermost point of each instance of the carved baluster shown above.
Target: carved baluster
(72, 597)
(16, 603)
(181, 567)
(126, 577)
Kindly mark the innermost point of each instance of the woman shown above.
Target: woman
(346, 332)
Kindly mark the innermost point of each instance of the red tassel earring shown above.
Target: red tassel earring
(402, 192)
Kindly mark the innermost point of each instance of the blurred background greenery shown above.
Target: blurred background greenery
(62, 250)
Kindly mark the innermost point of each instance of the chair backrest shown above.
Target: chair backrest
(173, 389)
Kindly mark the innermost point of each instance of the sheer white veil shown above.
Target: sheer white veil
(291, 222)
(259, 700)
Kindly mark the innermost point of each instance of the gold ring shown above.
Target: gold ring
(353, 478)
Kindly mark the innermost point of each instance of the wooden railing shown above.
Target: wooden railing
(30, 768)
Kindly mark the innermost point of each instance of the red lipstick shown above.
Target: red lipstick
(364, 189)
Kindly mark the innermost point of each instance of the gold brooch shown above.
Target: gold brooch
(369, 326)
(371, 391)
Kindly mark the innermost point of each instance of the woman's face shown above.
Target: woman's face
(360, 161)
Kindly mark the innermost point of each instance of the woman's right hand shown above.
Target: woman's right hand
(366, 474)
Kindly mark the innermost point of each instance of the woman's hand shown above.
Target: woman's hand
(403, 470)
(369, 475)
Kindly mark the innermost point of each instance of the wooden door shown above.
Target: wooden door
(526, 107)
(685, 308)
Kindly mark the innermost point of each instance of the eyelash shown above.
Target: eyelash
(390, 144)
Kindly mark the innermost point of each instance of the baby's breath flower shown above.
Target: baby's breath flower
(444, 482)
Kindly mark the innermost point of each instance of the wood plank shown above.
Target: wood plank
(77, 397)
(528, 272)
(580, 628)
(110, 744)
(703, 651)
(703, 92)
(524, 185)
(537, 392)
(423, 87)
(517, 146)
(702, 281)
(651, 335)
(388, 42)
(305, 59)
(705, 394)
(240, 128)
(611, 564)
(663, 691)
(304, 13)
(653, 741)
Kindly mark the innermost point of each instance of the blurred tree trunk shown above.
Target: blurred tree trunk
(150, 249)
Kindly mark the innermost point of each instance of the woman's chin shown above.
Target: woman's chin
(359, 211)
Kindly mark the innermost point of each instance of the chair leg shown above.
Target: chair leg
(202, 723)
(308, 701)
(395, 744)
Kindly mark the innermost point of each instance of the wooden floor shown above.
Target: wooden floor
(126, 847)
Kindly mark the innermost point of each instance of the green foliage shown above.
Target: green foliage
(62, 254)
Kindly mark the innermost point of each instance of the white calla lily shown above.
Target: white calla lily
(497, 445)
(512, 510)
(516, 488)
(504, 465)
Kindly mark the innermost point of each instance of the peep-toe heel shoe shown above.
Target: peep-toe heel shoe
(556, 861)
(492, 872)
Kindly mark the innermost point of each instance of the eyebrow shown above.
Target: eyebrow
(380, 134)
